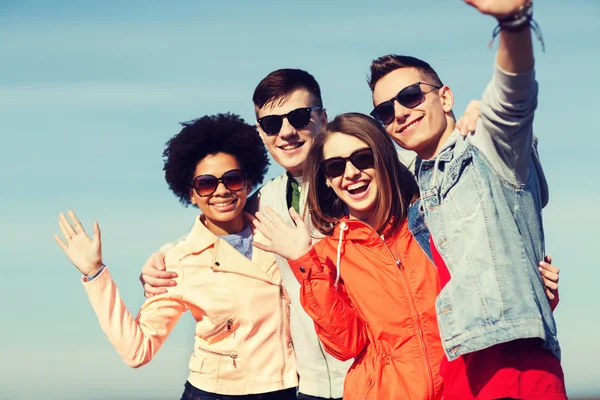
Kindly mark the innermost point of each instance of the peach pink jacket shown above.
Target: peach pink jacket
(242, 343)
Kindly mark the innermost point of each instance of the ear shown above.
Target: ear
(260, 132)
(447, 98)
(328, 182)
(323, 117)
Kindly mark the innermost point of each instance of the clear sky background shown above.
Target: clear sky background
(91, 90)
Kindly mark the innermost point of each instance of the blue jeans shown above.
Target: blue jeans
(307, 397)
(193, 393)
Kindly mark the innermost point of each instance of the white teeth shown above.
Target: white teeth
(221, 205)
(411, 124)
(357, 185)
(291, 146)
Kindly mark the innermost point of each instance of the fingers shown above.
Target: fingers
(550, 276)
(551, 296)
(60, 243)
(462, 126)
(96, 232)
(67, 226)
(548, 258)
(150, 291)
(264, 225)
(550, 284)
(261, 246)
(277, 221)
(63, 227)
(78, 228)
(157, 282)
(296, 217)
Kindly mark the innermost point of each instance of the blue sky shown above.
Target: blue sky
(91, 91)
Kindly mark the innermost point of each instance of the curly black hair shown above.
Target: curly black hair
(222, 133)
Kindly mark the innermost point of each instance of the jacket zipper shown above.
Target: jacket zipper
(416, 315)
(281, 331)
(281, 324)
(233, 355)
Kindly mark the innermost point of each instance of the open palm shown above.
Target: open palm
(84, 252)
(288, 241)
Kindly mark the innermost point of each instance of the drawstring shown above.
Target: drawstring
(343, 227)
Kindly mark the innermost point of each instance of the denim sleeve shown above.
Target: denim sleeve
(505, 130)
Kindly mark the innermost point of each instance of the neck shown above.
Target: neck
(434, 148)
(221, 228)
(296, 174)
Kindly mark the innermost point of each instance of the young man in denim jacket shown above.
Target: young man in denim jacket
(482, 194)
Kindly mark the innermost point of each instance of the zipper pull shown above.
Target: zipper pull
(229, 323)
(399, 264)
(233, 357)
(281, 291)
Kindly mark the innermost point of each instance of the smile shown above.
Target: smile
(411, 125)
(224, 204)
(291, 146)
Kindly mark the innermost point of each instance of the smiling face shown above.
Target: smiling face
(290, 146)
(356, 188)
(424, 128)
(222, 209)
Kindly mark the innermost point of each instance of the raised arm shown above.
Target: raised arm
(136, 340)
(339, 327)
(505, 132)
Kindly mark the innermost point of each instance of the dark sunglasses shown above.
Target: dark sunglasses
(409, 97)
(205, 185)
(298, 118)
(336, 166)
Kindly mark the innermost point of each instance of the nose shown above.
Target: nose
(351, 172)
(401, 113)
(287, 130)
(221, 189)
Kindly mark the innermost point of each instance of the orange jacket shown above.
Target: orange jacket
(382, 312)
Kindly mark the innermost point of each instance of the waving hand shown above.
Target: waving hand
(84, 252)
(287, 241)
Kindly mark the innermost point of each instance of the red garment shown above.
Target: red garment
(520, 369)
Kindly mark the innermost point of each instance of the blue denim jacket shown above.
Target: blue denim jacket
(483, 197)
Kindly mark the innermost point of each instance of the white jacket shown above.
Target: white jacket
(320, 374)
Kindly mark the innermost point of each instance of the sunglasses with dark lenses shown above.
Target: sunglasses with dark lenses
(336, 166)
(409, 97)
(205, 185)
(298, 118)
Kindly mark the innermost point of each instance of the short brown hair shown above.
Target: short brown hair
(397, 185)
(280, 84)
(386, 64)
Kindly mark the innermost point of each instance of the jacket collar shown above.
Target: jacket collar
(200, 239)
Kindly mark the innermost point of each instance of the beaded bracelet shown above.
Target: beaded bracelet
(519, 21)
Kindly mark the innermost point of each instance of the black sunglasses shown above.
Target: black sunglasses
(205, 185)
(409, 97)
(336, 166)
(298, 118)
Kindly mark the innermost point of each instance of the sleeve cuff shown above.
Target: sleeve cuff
(306, 266)
(88, 279)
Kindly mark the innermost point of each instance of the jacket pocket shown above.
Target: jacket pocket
(201, 365)
(233, 355)
(223, 313)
